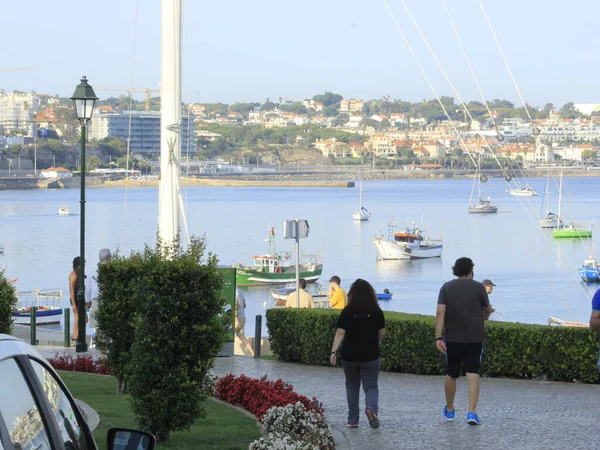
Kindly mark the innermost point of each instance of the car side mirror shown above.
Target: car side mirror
(126, 439)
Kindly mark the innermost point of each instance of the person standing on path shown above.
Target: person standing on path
(360, 330)
(463, 305)
(337, 296)
(73, 289)
(305, 299)
(489, 286)
(240, 321)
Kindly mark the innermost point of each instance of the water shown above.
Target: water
(536, 277)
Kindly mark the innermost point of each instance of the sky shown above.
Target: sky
(242, 51)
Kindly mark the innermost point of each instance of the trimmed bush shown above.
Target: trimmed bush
(511, 349)
(8, 303)
(84, 363)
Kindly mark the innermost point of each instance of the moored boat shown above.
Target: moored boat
(408, 244)
(483, 207)
(48, 304)
(571, 232)
(527, 191)
(590, 270)
(63, 211)
(275, 268)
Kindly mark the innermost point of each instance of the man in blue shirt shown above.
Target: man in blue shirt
(595, 317)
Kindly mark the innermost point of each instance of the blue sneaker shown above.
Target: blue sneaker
(449, 415)
(473, 419)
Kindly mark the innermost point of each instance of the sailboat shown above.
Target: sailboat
(484, 206)
(549, 219)
(567, 230)
(362, 214)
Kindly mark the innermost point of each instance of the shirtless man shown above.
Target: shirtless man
(73, 290)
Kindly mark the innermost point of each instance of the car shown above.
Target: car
(37, 411)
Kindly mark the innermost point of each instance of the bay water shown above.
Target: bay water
(536, 276)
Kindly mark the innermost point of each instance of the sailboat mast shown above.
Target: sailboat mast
(170, 122)
(360, 196)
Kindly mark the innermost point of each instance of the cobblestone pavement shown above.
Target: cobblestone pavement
(516, 414)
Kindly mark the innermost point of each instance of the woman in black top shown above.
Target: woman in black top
(360, 330)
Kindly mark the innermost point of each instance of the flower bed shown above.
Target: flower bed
(289, 420)
(79, 364)
(260, 395)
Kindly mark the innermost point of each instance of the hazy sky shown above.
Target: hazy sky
(241, 50)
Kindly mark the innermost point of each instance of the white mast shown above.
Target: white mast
(360, 196)
(170, 121)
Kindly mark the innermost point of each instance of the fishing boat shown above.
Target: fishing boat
(362, 214)
(63, 211)
(48, 304)
(272, 268)
(527, 191)
(590, 270)
(408, 244)
(568, 230)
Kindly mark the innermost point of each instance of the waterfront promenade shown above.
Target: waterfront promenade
(516, 414)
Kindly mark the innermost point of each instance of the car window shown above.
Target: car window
(70, 429)
(19, 410)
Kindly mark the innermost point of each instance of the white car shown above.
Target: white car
(37, 412)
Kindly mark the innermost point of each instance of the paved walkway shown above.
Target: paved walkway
(516, 414)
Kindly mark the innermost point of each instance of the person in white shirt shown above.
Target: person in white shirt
(306, 300)
(240, 312)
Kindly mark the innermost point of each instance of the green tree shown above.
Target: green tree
(329, 99)
(92, 163)
(177, 337)
(589, 154)
(330, 111)
(8, 303)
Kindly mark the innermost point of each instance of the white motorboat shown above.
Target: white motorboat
(408, 244)
(63, 211)
(527, 191)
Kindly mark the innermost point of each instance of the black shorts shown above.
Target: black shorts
(467, 355)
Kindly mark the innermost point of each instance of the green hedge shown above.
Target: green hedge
(511, 349)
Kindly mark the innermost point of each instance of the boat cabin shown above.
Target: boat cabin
(409, 238)
(267, 264)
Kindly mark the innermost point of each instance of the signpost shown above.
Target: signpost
(296, 229)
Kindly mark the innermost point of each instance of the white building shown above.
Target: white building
(17, 111)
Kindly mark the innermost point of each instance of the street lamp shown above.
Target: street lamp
(84, 99)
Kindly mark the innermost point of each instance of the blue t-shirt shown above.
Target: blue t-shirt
(596, 301)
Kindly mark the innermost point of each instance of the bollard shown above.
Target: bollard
(32, 322)
(257, 336)
(67, 326)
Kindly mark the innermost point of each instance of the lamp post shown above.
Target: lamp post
(84, 99)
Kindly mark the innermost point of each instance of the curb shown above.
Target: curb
(90, 416)
(339, 438)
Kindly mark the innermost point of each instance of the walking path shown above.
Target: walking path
(516, 414)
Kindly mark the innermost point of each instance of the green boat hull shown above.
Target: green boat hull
(250, 277)
(571, 234)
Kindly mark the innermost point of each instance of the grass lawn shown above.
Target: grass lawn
(224, 428)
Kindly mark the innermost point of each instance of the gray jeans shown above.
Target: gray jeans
(367, 373)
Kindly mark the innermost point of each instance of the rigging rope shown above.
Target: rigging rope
(504, 58)
(568, 263)
(491, 116)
